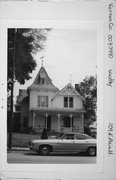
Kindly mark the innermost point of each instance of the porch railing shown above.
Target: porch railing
(71, 129)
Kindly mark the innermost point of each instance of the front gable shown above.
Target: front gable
(67, 96)
(68, 90)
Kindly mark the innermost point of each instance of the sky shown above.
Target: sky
(69, 56)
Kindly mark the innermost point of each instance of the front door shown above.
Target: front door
(49, 123)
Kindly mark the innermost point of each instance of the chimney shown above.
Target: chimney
(77, 87)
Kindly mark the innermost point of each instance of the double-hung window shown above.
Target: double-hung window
(42, 101)
(68, 102)
(42, 81)
(65, 101)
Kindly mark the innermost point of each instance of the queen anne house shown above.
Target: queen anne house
(47, 106)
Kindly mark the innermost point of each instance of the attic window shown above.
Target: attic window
(69, 87)
(42, 81)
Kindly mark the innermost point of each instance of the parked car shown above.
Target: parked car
(67, 142)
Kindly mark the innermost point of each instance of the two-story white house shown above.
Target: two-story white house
(57, 110)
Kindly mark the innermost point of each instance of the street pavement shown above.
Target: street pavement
(25, 156)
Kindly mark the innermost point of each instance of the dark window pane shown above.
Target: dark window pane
(43, 81)
(70, 101)
(46, 101)
(65, 101)
(39, 101)
(43, 101)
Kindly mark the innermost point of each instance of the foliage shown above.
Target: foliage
(88, 89)
(22, 44)
(17, 107)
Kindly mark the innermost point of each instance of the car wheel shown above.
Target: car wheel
(44, 150)
(91, 151)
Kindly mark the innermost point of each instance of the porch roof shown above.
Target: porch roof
(57, 111)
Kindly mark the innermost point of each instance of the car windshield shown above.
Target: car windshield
(60, 136)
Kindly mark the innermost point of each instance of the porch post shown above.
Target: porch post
(71, 122)
(46, 120)
(33, 118)
(58, 122)
(82, 122)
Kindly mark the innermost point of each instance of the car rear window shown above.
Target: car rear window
(68, 136)
(82, 136)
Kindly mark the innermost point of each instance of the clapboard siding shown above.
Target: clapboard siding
(34, 98)
(59, 102)
(54, 123)
(39, 121)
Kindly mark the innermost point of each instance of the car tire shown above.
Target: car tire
(91, 151)
(44, 150)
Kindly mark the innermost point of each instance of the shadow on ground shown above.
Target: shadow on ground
(57, 154)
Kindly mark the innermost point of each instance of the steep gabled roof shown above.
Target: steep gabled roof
(37, 85)
(42, 74)
(68, 90)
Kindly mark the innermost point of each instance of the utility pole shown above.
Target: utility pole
(12, 92)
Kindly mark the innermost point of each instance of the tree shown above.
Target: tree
(88, 89)
(22, 44)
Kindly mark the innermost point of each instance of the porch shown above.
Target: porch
(55, 122)
(61, 129)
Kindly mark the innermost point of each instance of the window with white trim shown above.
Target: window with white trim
(68, 102)
(42, 101)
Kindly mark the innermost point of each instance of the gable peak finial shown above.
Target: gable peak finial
(42, 60)
(71, 80)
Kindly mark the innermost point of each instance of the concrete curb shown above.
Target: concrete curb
(18, 149)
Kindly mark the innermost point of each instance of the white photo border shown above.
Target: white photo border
(106, 113)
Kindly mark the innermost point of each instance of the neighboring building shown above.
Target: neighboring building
(23, 103)
(47, 106)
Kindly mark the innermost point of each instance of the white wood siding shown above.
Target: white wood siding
(34, 98)
(77, 122)
(54, 123)
(39, 121)
(59, 102)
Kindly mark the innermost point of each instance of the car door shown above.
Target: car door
(66, 143)
(81, 143)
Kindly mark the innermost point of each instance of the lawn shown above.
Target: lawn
(21, 140)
